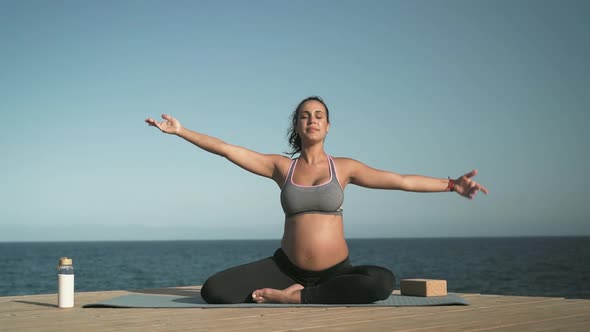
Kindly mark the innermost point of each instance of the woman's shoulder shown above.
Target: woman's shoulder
(279, 158)
(345, 162)
(343, 159)
(281, 161)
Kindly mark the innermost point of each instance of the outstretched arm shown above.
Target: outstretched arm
(252, 161)
(363, 175)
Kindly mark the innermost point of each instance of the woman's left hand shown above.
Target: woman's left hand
(467, 187)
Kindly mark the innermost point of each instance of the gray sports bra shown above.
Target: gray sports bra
(325, 198)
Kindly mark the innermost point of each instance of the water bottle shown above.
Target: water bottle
(65, 283)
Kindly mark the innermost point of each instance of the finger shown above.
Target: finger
(154, 123)
(478, 187)
(166, 117)
(150, 120)
(471, 174)
(483, 189)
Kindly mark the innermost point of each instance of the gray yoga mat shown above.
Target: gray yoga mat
(171, 301)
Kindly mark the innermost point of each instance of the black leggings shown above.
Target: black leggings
(339, 284)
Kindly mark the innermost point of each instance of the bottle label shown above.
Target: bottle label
(65, 295)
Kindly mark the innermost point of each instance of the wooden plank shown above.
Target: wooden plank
(435, 320)
(487, 312)
(494, 317)
(579, 323)
(453, 324)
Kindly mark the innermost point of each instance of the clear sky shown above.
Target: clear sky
(416, 87)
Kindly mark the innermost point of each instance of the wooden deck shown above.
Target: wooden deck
(486, 313)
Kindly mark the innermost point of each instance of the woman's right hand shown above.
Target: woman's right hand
(170, 126)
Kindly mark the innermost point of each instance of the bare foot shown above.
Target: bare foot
(291, 294)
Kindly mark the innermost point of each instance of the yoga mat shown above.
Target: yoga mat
(171, 301)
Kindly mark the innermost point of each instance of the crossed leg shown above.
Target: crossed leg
(237, 284)
(263, 282)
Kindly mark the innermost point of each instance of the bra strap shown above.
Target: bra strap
(332, 163)
(290, 172)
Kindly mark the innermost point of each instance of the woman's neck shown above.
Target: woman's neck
(313, 154)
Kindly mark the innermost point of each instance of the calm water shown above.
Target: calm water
(535, 266)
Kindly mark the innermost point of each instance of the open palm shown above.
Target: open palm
(169, 126)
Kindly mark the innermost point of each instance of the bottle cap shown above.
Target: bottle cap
(65, 261)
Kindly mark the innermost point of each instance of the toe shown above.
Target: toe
(257, 296)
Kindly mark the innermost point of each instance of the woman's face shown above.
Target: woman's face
(312, 121)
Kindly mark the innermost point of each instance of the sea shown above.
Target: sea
(531, 266)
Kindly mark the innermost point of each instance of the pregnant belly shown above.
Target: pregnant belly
(314, 242)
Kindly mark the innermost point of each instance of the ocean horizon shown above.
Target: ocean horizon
(275, 238)
(516, 265)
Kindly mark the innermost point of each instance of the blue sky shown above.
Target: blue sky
(416, 87)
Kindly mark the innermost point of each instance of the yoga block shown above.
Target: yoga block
(423, 287)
